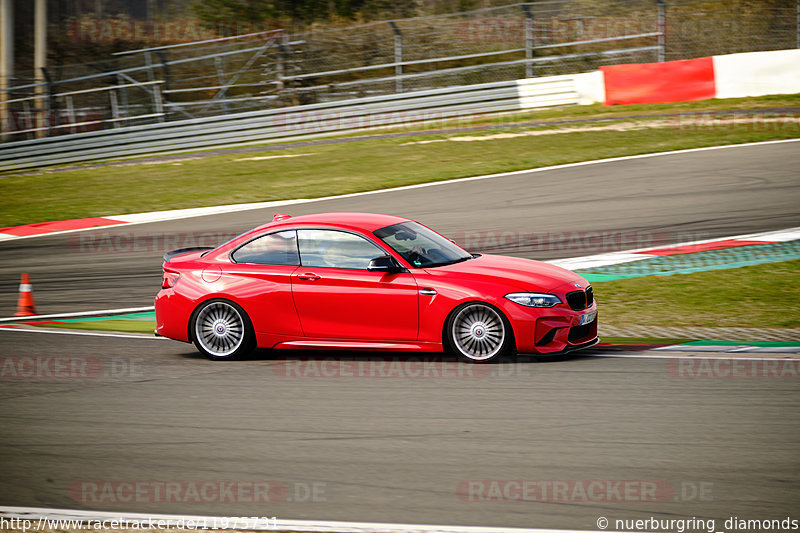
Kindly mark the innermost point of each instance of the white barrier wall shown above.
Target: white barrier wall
(591, 88)
(757, 73)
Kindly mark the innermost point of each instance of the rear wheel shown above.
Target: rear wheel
(478, 333)
(222, 330)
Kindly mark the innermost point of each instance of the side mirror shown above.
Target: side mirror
(384, 263)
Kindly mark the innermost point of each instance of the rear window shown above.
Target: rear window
(272, 249)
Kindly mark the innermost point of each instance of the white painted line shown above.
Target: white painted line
(327, 526)
(265, 157)
(175, 214)
(83, 333)
(599, 260)
(158, 216)
(102, 312)
(637, 254)
(791, 234)
(739, 348)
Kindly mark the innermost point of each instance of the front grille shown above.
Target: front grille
(576, 300)
(579, 300)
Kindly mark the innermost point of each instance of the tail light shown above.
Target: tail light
(169, 279)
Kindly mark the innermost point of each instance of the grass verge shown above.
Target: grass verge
(366, 164)
(761, 296)
(122, 326)
(580, 112)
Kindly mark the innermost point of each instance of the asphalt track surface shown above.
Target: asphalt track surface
(397, 448)
(403, 448)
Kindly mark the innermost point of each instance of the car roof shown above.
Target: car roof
(364, 221)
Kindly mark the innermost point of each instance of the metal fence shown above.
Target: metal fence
(276, 69)
(279, 123)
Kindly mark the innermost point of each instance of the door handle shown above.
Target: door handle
(308, 276)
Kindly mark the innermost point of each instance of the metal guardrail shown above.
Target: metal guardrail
(286, 123)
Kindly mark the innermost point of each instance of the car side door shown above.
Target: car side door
(338, 298)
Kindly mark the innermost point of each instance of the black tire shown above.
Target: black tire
(478, 333)
(221, 330)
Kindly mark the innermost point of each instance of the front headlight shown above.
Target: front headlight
(534, 299)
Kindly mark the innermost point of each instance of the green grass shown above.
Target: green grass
(124, 326)
(603, 111)
(756, 297)
(583, 112)
(353, 167)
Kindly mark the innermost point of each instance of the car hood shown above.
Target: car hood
(516, 273)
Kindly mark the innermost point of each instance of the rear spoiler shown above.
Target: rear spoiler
(179, 251)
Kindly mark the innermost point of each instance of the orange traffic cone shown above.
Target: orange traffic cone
(25, 305)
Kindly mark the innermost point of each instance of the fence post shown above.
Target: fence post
(40, 58)
(157, 102)
(151, 76)
(398, 57)
(123, 94)
(284, 58)
(662, 24)
(162, 57)
(112, 96)
(49, 103)
(71, 113)
(27, 120)
(280, 69)
(221, 80)
(528, 41)
(148, 61)
(6, 65)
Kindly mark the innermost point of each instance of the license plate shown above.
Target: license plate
(588, 318)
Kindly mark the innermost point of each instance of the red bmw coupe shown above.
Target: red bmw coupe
(358, 281)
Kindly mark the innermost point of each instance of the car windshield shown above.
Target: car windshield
(421, 246)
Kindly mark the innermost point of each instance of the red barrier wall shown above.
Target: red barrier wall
(649, 83)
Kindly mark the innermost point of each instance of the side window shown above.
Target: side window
(271, 249)
(335, 249)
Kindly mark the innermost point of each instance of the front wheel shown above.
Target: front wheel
(221, 330)
(478, 333)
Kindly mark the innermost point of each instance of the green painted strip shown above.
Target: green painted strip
(697, 262)
(148, 315)
(763, 344)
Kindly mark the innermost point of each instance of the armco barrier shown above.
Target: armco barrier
(287, 123)
(547, 91)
